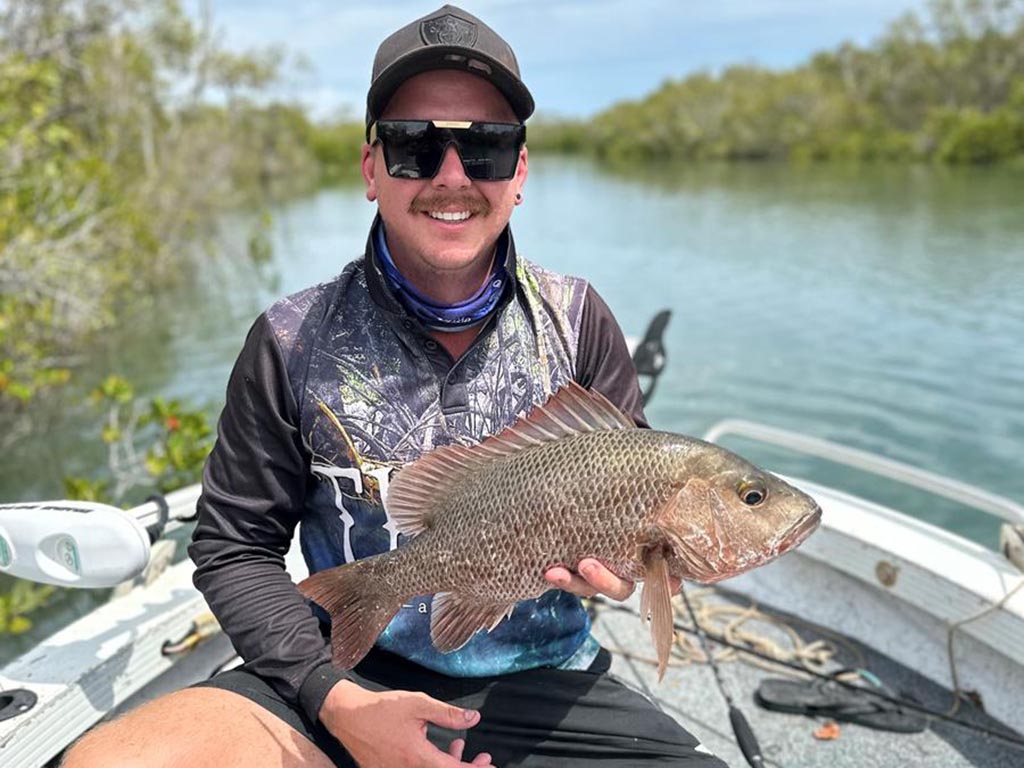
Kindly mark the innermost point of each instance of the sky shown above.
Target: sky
(577, 57)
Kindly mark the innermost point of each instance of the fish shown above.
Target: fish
(573, 479)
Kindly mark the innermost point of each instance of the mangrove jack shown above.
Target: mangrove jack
(574, 479)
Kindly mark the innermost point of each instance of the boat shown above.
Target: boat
(913, 612)
(915, 633)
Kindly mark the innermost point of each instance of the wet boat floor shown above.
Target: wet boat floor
(688, 693)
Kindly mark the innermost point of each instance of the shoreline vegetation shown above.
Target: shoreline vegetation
(126, 132)
(945, 88)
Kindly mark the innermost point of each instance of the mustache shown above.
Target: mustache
(461, 201)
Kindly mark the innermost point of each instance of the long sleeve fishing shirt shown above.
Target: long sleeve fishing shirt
(335, 388)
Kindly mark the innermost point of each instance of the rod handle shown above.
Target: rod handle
(745, 738)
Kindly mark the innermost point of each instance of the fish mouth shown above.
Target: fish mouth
(708, 570)
(800, 530)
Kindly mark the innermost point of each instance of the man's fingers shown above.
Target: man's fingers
(455, 718)
(558, 576)
(447, 715)
(569, 581)
(435, 758)
(604, 581)
(432, 757)
(456, 747)
(593, 579)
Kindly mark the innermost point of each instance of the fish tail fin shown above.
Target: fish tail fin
(358, 607)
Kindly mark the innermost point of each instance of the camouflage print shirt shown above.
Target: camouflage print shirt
(336, 387)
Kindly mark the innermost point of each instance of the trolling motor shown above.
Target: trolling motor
(72, 543)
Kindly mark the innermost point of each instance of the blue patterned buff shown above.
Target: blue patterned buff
(445, 317)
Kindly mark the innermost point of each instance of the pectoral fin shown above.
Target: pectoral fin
(656, 605)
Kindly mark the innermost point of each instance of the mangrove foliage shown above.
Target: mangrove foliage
(126, 130)
(947, 87)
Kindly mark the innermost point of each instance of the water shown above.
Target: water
(878, 307)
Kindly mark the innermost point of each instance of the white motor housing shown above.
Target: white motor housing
(71, 543)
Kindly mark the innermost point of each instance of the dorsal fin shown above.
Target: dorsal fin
(420, 488)
(570, 411)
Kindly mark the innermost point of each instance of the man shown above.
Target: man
(440, 334)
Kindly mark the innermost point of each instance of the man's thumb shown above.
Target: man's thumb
(449, 716)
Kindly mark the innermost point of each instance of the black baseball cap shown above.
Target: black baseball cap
(448, 38)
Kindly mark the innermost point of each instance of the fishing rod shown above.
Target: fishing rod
(1010, 738)
(749, 745)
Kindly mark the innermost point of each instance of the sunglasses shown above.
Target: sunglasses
(415, 149)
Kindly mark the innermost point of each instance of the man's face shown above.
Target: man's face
(418, 241)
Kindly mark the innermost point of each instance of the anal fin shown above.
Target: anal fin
(656, 605)
(454, 619)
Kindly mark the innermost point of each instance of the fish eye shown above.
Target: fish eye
(752, 493)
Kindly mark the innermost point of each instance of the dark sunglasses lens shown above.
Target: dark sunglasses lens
(414, 149)
(411, 148)
(490, 151)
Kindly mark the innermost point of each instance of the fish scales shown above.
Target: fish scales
(590, 495)
(574, 479)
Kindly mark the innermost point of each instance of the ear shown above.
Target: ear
(521, 172)
(368, 166)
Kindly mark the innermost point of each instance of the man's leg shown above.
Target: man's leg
(550, 717)
(237, 719)
(567, 719)
(538, 718)
(196, 727)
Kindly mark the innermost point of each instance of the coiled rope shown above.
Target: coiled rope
(738, 627)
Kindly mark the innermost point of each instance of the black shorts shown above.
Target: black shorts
(540, 717)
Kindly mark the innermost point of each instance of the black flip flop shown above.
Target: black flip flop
(827, 698)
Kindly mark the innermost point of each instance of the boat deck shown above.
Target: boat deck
(689, 694)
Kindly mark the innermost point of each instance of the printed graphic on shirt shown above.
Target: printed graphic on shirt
(337, 477)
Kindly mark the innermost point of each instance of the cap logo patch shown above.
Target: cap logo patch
(448, 30)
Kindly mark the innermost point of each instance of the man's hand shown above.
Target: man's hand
(594, 579)
(382, 730)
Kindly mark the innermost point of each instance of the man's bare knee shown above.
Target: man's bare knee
(195, 727)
